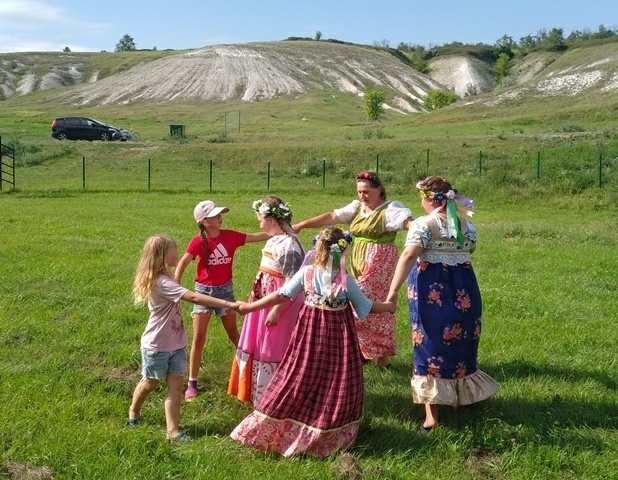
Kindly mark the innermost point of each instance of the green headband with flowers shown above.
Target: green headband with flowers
(280, 211)
(337, 252)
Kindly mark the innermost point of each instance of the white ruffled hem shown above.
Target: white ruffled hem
(460, 391)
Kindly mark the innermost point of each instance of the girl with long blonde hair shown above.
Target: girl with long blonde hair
(164, 341)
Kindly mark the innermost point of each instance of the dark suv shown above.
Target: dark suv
(81, 128)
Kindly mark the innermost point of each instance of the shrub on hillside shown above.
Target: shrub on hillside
(372, 104)
(502, 67)
(439, 99)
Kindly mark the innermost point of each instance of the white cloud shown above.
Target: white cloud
(31, 14)
(40, 26)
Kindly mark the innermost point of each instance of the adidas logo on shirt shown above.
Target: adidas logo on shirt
(219, 256)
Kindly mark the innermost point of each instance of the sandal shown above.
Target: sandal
(134, 422)
(181, 437)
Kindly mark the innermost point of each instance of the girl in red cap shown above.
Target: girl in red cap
(214, 248)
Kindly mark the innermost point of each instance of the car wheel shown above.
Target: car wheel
(61, 136)
(105, 136)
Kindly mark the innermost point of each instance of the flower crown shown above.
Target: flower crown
(280, 211)
(435, 196)
(368, 176)
(341, 244)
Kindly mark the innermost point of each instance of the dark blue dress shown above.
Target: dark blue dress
(445, 316)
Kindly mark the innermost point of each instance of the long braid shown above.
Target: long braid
(205, 243)
(287, 230)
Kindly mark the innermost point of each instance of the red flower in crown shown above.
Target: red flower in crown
(368, 176)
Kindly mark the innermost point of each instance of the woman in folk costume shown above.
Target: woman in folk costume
(314, 401)
(265, 333)
(444, 302)
(373, 222)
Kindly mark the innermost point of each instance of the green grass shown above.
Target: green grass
(69, 347)
(546, 263)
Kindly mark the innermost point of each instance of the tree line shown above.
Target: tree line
(544, 40)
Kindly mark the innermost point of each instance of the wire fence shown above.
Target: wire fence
(575, 171)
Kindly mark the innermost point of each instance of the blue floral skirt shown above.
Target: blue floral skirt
(445, 315)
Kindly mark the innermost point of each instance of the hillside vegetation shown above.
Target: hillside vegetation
(296, 104)
(265, 70)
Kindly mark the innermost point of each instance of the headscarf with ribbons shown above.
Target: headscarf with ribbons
(452, 223)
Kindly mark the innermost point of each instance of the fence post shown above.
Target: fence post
(538, 165)
(600, 170)
(480, 162)
(323, 173)
(83, 172)
(268, 178)
(378, 164)
(149, 174)
(210, 178)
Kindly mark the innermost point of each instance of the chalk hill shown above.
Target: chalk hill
(261, 71)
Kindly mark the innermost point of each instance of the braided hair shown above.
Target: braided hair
(327, 237)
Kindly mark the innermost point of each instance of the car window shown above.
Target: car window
(73, 121)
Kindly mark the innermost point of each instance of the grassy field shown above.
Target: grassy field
(69, 348)
(320, 138)
(541, 171)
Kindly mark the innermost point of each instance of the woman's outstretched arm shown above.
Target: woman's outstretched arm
(406, 261)
(328, 218)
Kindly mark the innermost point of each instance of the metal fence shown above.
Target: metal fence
(575, 171)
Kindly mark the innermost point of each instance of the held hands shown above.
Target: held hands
(233, 306)
(243, 308)
(391, 307)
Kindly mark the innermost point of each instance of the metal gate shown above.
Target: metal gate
(7, 165)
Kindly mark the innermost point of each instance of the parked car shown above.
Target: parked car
(81, 128)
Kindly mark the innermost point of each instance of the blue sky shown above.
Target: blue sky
(90, 25)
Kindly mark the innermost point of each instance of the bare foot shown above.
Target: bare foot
(383, 362)
(431, 416)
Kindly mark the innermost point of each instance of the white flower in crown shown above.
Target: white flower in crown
(280, 211)
(334, 248)
(264, 210)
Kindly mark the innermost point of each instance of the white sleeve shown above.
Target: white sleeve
(346, 214)
(396, 214)
(419, 233)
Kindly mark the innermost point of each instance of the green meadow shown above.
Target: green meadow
(542, 173)
(69, 348)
